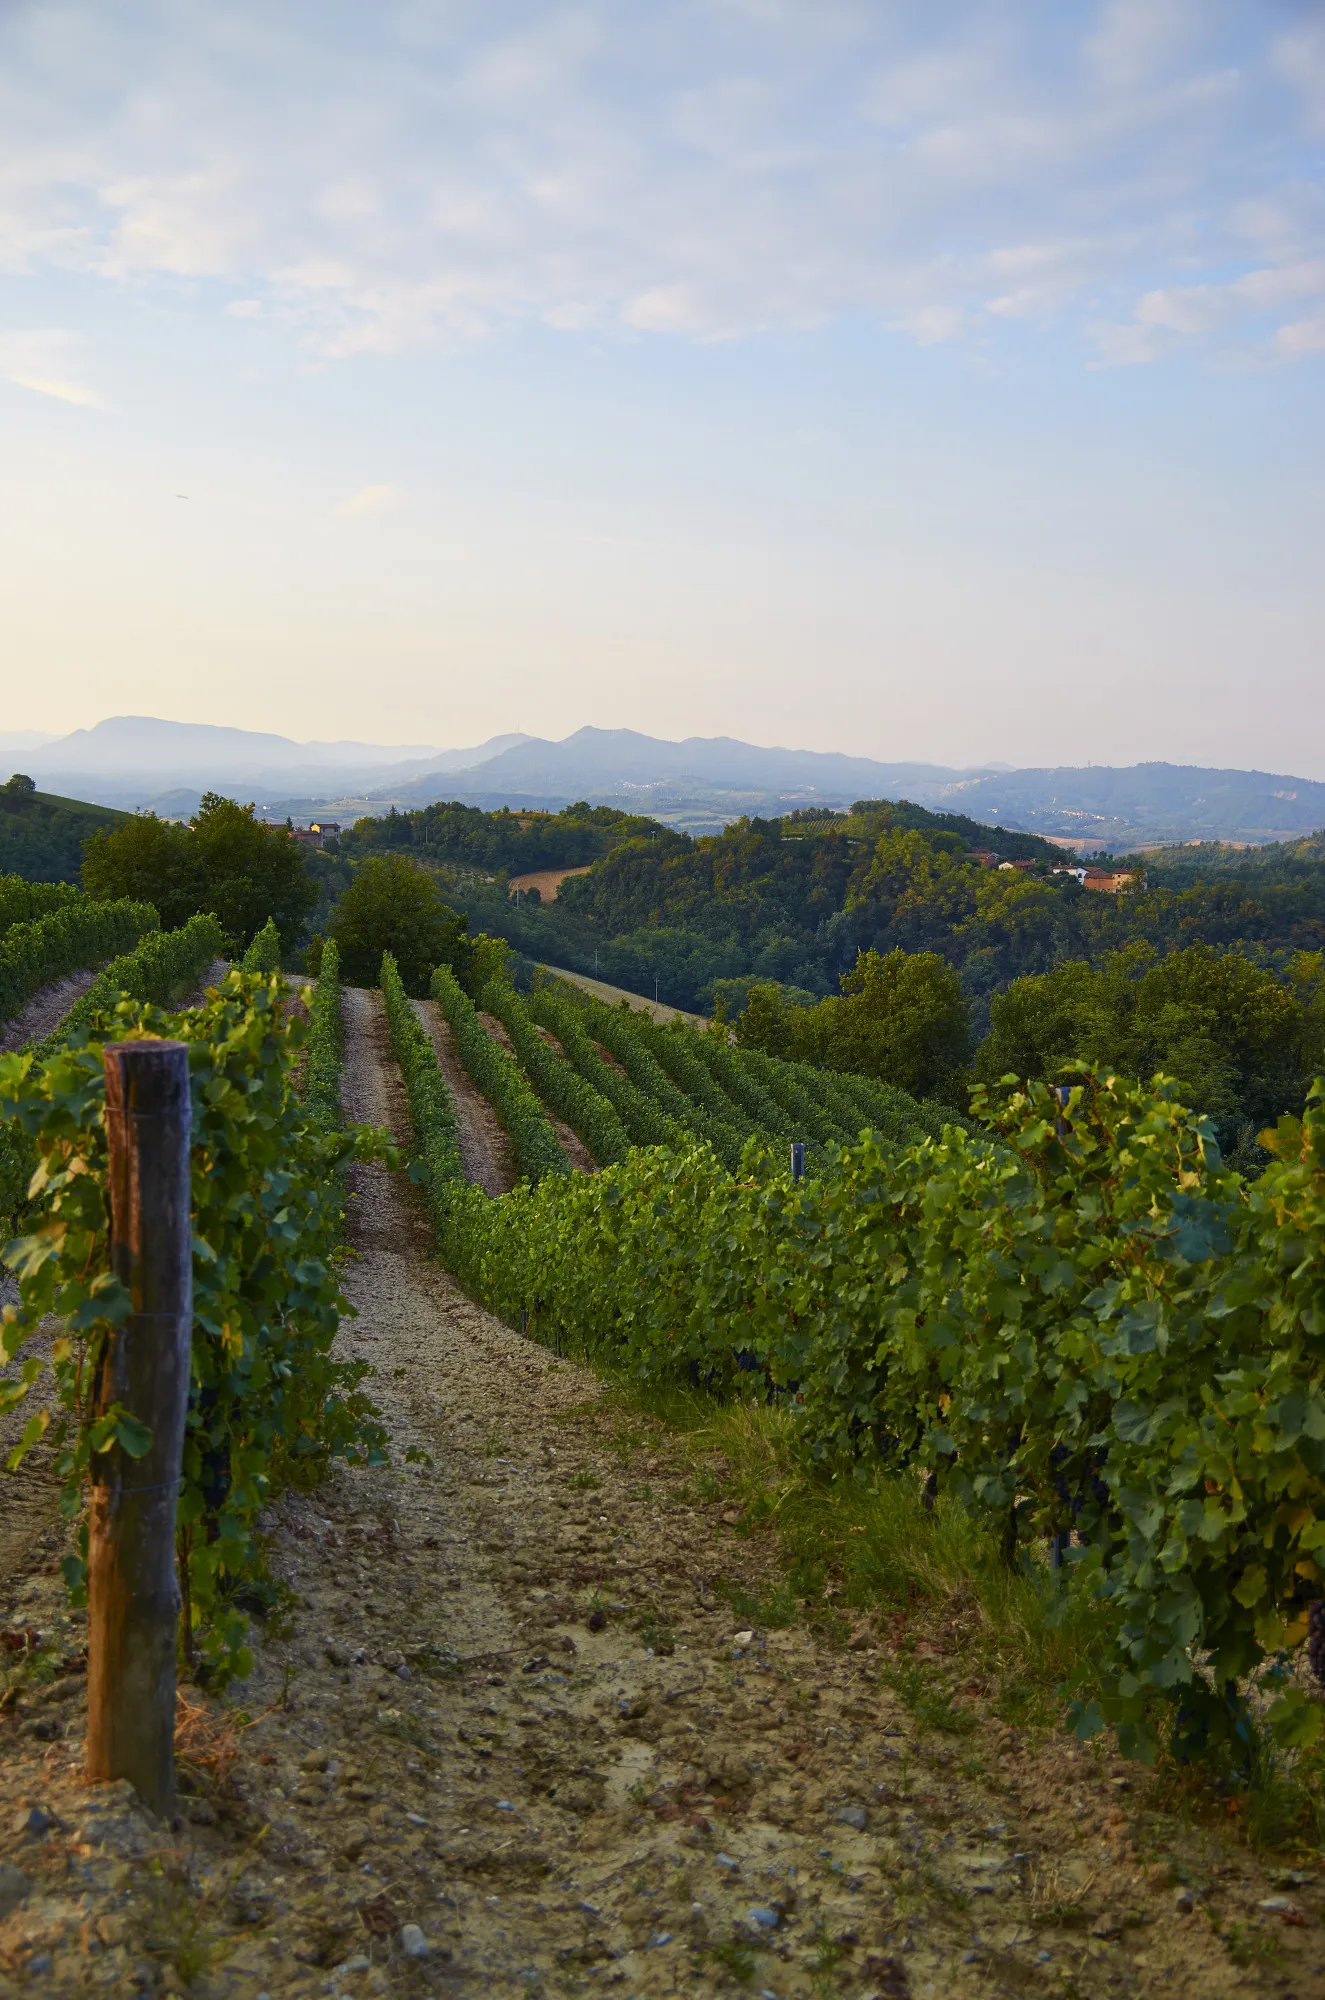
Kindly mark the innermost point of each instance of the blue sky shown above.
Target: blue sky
(938, 382)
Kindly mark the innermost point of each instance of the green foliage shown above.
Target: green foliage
(644, 1122)
(516, 843)
(392, 906)
(623, 1031)
(268, 1402)
(326, 1042)
(583, 1108)
(77, 933)
(264, 953)
(1242, 1041)
(678, 1051)
(437, 1160)
(225, 862)
(485, 962)
(764, 1111)
(165, 964)
(21, 902)
(1082, 1324)
(537, 1149)
(902, 1019)
(42, 836)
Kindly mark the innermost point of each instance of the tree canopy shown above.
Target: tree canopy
(391, 905)
(224, 862)
(901, 1018)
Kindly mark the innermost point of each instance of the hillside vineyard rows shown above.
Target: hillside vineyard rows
(641, 1591)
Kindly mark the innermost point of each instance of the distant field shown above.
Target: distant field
(546, 880)
(614, 994)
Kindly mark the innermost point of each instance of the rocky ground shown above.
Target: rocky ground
(506, 1738)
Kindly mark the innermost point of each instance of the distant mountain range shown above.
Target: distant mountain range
(700, 783)
(140, 760)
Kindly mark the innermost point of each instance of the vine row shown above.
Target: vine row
(77, 933)
(538, 1151)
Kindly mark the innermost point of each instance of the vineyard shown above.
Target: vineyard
(1062, 1335)
(1078, 1320)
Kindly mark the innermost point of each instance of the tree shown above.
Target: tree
(1239, 1040)
(224, 862)
(901, 1018)
(393, 906)
(152, 861)
(251, 872)
(21, 783)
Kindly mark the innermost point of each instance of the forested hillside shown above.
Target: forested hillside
(42, 836)
(883, 942)
(769, 900)
(516, 842)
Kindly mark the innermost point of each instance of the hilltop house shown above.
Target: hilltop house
(1109, 880)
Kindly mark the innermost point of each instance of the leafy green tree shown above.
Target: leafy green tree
(901, 1018)
(225, 862)
(393, 906)
(150, 860)
(251, 871)
(1241, 1041)
(486, 958)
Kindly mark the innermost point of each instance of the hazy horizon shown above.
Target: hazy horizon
(847, 379)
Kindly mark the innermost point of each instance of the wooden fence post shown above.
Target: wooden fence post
(132, 1589)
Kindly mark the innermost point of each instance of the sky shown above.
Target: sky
(921, 382)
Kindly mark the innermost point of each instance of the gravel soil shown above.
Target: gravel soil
(506, 1738)
(44, 1011)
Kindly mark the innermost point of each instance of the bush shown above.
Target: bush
(165, 965)
(270, 1401)
(432, 1110)
(326, 1041)
(1083, 1324)
(264, 954)
(21, 901)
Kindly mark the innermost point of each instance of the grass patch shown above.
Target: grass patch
(929, 1699)
(853, 1547)
(737, 1960)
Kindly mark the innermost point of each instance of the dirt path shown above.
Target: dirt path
(30, 1498)
(44, 1011)
(510, 1740)
(485, 1150)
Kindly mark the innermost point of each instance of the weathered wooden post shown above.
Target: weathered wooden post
(132, 1591)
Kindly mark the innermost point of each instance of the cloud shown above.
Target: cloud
(45, 361)
(368, 500)
(1200, 308)
(383, 180)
